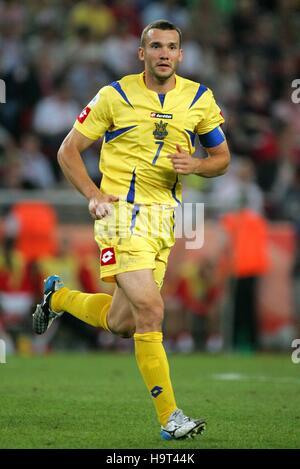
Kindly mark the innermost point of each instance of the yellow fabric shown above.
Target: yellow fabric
(90, 308)
(153, 365)
(139, 236)
(140, 131)
(99, 19)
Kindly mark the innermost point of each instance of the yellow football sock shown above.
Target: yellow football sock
(91, 308)
(153, 365)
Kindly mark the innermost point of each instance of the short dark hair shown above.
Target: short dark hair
(160, 24)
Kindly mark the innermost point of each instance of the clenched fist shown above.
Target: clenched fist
(183, 162)
(100, 206)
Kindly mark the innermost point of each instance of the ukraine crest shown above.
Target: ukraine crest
(160, 131)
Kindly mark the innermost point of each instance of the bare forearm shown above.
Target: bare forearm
(70, 161)
(211, 166)
(74, 170)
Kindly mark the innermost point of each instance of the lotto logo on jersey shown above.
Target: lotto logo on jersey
(161, 116)
(108, 256)
(83, 115)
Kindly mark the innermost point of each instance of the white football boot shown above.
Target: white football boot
(179, 426)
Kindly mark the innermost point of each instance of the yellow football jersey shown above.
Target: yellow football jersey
(140, 128)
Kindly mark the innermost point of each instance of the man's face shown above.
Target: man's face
(161, 53)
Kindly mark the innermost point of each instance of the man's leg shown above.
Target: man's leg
(112, 313)
(120, 318)
(92, 309)
(147, 307)
(136, 305)
(89, 308)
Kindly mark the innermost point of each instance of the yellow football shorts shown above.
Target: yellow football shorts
(135, 237)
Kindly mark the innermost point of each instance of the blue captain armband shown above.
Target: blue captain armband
(212, 138)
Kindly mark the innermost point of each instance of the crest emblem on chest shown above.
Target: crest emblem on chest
(160, 131)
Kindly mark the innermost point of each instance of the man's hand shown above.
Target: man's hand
(182, 161)
(100, 206)
(215, 164)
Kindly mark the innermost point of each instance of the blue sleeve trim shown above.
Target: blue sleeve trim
(115, 133)
(198, 95)
(116, 85)
(212, 138)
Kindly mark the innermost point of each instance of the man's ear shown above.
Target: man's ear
(180, 56)
(141, 54)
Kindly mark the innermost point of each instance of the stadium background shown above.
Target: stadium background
(54, 56)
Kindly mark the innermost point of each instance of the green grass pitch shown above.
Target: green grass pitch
(100, 401)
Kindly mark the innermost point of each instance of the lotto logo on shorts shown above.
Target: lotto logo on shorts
(83, 115)
(108, 256)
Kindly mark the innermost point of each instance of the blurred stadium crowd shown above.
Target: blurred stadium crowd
(55, 55)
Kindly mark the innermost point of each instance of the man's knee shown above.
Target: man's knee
(124, 328)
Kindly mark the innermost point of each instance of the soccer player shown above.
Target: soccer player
(149, 122)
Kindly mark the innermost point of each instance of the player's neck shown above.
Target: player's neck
(161, 87)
